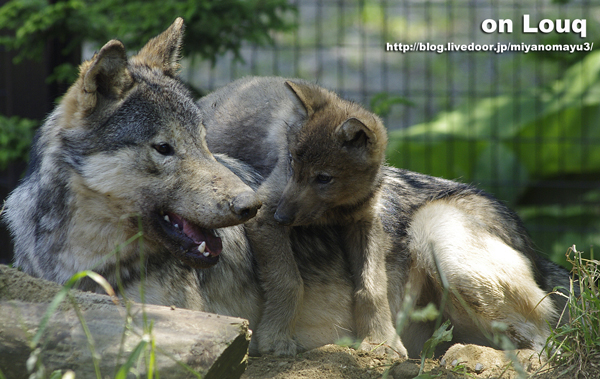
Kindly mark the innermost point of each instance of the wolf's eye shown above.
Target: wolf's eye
(323, 178)
(164, 148)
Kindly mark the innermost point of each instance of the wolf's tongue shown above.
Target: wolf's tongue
(213, 243)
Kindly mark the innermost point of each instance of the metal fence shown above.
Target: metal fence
(341, 44)
(442, 97)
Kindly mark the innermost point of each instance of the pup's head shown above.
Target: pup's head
(335, 156)
(132, 133)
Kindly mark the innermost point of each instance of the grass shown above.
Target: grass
(574, 347)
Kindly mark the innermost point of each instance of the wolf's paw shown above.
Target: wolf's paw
(279, 347)
(392, 346)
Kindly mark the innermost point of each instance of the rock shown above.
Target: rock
(405, 370)
(479, 358)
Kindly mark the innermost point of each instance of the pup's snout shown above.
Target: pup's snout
(245, 205)
(283, 219)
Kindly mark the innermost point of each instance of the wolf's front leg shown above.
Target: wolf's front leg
(367, 247)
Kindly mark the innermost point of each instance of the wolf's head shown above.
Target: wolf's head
(134, 138)
(335, 158)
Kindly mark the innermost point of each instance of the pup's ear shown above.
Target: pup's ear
(354, 133)
(163, 51)
(105, 75)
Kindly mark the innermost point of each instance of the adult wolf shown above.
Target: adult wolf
(323, 166)
(125, 152)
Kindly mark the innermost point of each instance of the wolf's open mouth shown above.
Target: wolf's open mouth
(201, 247)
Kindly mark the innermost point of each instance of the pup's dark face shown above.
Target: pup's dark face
(336, 154)
(329, 167)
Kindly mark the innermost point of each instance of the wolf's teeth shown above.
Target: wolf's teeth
(201, 249)
(176, 225)
(167, 219)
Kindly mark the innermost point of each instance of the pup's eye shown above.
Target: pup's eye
(323, 178)
(164, 148)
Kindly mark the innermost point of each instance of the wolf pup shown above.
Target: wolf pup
(322, 157)
(125, 152)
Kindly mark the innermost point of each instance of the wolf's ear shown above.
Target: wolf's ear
(354, 133)
(300, 95)
(162, 51)
(105, 74)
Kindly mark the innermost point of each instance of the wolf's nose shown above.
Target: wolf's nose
(246, 205)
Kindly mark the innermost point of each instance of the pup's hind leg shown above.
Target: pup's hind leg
(489, 281)
(367, 245)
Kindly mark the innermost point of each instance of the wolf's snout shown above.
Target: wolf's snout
(245, 205)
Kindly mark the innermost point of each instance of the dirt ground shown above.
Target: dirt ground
(333, 362)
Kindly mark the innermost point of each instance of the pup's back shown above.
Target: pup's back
(248, 119)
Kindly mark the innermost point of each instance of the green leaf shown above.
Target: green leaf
(442, 334)
(133, 357)
(429, 313)
(382, 103)
(348, 342)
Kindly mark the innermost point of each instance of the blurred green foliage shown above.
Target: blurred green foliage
(533, 136)
(15, 138)
(383, 102)
(539, 135)
(213, 27)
